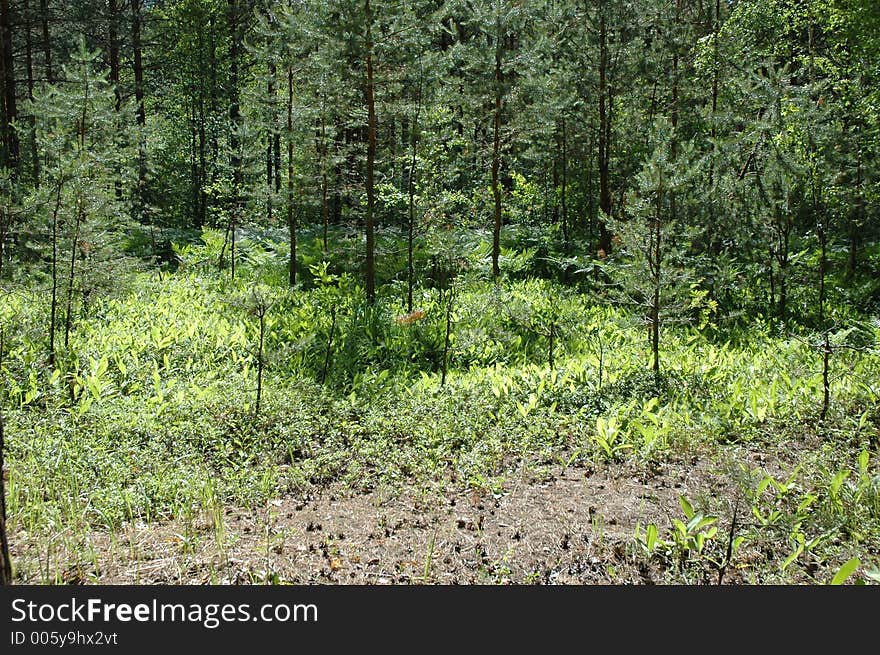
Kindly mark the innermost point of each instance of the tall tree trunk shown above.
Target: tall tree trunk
(338, 174)
(496, 149)
(5, 220)
(447, 339)
(272, 172)
(291, 217)
(29, 61)
(80, 217)
(590, 185)
(604, 154)
(823, 268)
(325, 207)
(563, 190)
(674, 111)
(140, 113)
(47, 41)
(200, 175)
(71, 277)
(195, 179)
(716, 27)
(655, 258)
(201, 200)
(411, 192)
(113, 49)
(371, 158)
(10, 114)
(782, 258)
(214, 101)
(5, 560)
(113, 11)
(261, 309)
(277, 147)
(234, 17)
(27, 24)
(714, 241)
(53, 307)
(137, 60)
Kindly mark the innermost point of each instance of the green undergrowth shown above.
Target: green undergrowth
(150, 412)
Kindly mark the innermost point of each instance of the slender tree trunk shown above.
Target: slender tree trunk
(10, 113)
(291, 217)
(137, 60)
(29, 61)
(715, 81)
(604, 153)
(214, 101)
(195, 178)
(200, 175)
(234, 17)
(272, 173)
(371, 159)
(28, 46)
(5, 560)
(200, 214)
(450, 298)
(673, 205)
(47, 41)
(261, 314)
(496, 150)
(589, 184)
(411, 189)
(782, 258)
(276, 137)
(113, 11)
(53, 307)
(78, 221)
(338, 176)
(782, 283)
(826, 386)
(113, 49)
(140, 112)
(325, 207)
(564, 181)
(71, 277)
(656, 263)
(823, 269)
(5, 220)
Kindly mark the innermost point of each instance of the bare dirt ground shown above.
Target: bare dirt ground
(549, 525)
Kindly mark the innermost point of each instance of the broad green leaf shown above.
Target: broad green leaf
(791, 558)
(837, 482)
(651, 537)
(686, 507)
(845, 571)
(763, 484)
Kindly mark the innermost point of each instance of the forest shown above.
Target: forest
(440, 292)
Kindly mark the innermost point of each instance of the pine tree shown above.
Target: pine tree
(655, 277)
(85, 143)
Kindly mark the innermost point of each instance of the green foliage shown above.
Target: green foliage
(728, 157)
(687, 539)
